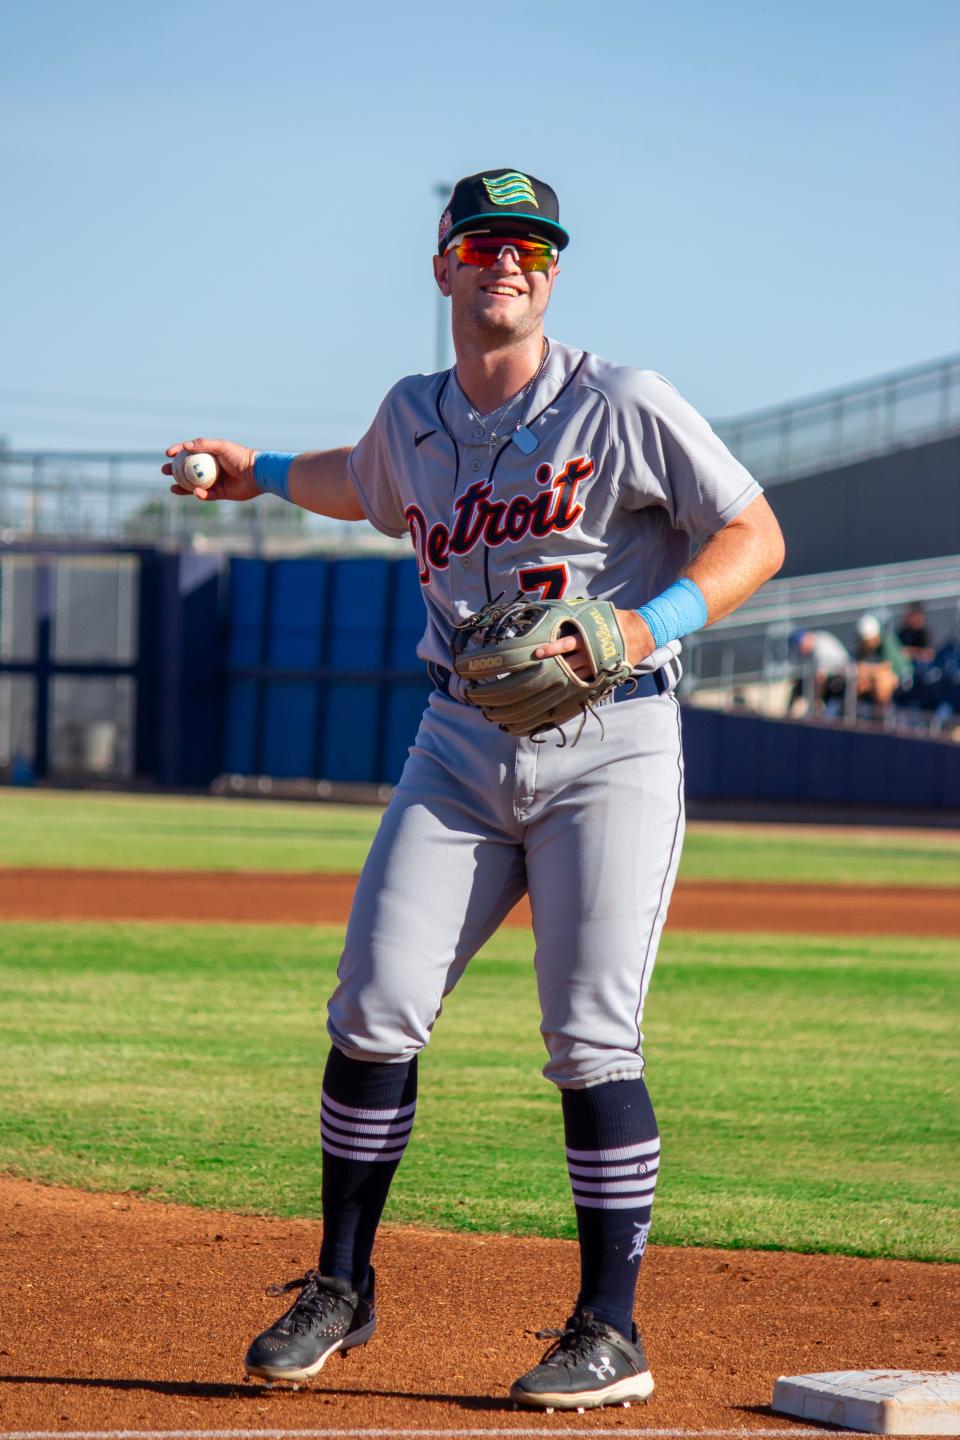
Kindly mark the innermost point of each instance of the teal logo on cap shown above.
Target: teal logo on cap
(510, 189)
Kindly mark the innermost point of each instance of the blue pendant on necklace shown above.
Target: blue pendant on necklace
(525, 440)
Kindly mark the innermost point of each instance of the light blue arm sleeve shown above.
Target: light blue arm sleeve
(271, 471)
(677, 611)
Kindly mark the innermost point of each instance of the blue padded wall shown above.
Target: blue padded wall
(747, 757)
(405, 705)
(245, 628)
(351, 733)
(408, 617)
(406, 699)
(298, 613)
(360, 614)
(239, 729)
(289, 740)
(248, 580)
(296, 640)
(323, 679)
(359, 641)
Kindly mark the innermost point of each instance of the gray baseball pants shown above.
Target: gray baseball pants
(591, 831)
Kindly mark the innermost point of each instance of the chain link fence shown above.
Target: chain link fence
(121, 496)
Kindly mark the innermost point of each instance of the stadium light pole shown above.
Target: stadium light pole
(441, 194)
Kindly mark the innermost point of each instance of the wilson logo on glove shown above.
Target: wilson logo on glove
(608, 646)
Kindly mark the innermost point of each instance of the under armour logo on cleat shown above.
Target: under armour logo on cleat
(603, 1369)
(419, 438)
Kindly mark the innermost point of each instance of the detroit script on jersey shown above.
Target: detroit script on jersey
(482, 519)
(624, 479)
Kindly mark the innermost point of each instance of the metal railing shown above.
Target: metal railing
(838, 427)
(747, 658)
(121, 496)
(879, 589)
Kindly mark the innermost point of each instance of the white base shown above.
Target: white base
(879, 1402)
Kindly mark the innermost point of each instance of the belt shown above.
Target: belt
(643, 687)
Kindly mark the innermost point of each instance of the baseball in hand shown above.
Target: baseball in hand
(191, 471)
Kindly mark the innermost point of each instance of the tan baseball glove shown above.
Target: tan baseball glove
(493, 652)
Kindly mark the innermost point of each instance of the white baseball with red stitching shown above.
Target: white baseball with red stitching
(193, 471)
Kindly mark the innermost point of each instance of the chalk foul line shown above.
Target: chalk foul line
(785, 1430)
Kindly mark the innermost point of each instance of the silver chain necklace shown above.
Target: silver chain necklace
(498, 417)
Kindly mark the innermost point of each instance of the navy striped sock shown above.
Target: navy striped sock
(613, 1154)
(366, 1116)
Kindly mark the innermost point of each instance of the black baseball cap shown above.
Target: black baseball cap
(496, 200)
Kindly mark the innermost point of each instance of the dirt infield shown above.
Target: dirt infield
(313, 899)
(123, 1314)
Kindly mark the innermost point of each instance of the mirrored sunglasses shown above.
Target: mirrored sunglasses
(485, 250)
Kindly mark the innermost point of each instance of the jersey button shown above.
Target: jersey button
(474, 465)
(478, 434)
(467, 562)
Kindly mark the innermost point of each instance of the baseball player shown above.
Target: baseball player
(530, 467)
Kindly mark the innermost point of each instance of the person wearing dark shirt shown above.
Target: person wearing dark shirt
(914, 634)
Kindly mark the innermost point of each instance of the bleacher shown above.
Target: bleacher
(746, 661)
(864, 474)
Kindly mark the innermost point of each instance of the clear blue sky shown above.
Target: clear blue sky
(218, 216)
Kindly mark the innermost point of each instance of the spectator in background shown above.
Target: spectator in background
(914, 634)
(939, 686)
(882, 666)
(829, 660)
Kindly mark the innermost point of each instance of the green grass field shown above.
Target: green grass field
(82, 829)
(807, 1089)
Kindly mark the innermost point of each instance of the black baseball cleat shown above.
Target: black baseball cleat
(590, 1364)
(325, 1317)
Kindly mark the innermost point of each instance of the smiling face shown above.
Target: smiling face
(498, 302)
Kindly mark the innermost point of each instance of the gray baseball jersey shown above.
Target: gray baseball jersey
(610, 481)
(626, 476)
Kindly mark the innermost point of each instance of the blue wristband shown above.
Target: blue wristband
(271, 471)
(678, 610)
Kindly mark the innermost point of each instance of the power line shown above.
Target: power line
(163, 407)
